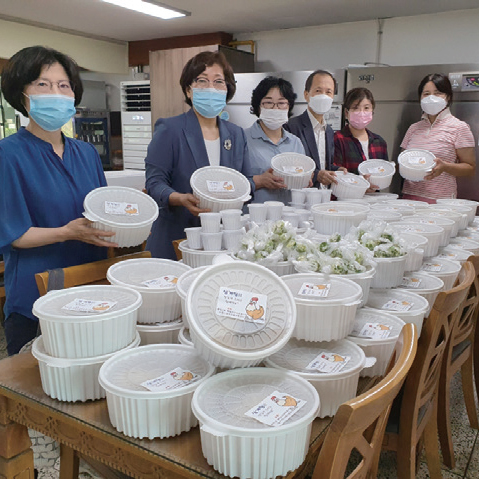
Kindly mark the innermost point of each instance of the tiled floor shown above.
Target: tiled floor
(466, 441)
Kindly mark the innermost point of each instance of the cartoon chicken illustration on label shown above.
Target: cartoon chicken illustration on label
(186, 376)
(101, 307)
(286, 401)
(227, 186)
(131, 210)
(253, 310)
(333, 357)
(381, 327)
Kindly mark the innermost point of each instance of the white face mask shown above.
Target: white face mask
(320, 104)
(273, 118)
(432, 105)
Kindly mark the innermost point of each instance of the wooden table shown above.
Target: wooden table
(86, 428)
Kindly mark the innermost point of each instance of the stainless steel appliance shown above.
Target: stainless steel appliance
(397, 105)
(239, 107)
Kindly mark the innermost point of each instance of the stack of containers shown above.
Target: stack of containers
(424, 284)
(305, 198)
(159, 317)
(442, 268)
(127, 212)
(433, 233)
(82, 327)
(338, 217)
(416, 244)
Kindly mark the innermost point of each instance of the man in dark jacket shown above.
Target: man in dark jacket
(317, 137)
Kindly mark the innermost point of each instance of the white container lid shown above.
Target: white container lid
(341, 290)
(413, 239)
(408, 158)
(223, 400)
(298, 354)
(51, 306)
(386, 216)
(186, 280)
(40, 353)
(419, 217)
(340, 209)
(427, 282)
(145, 212)
(419, 205)
(440, 266)
(454, 254)
(352, 180)
(374, 316)
(407, 226)
(377, 196)
(124, 373)
(134, 272)
(160, 327)
(376, 168)
(243, 338)
(391, 206)
(382, 298)
(305, 163)
(457, 201)
(464, 243)
(184, 336)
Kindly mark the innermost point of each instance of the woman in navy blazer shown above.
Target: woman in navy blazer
(178, 148)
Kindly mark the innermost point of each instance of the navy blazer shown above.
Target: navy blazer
(301, 127)
(175, 152)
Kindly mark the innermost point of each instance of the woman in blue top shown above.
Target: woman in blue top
(44, 178)
(272, 102)
(184, 143)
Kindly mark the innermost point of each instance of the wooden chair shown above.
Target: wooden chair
(179, 254)
(359, 424)
(459, 356)
(88, 273)
(2, 290)
(414, 413)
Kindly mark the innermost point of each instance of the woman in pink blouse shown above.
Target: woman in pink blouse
(439, 132)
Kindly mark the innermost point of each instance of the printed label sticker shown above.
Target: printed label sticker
(393, 305)
(410, 283)
(220, 186)
(316, 290)
(245, 305)
(431, 267)
(276, 409)
(372, 331)
(376, 170)
(176, 378)
(89, 306)
(121, 208)
(417, 160)
(326, 362)
(168, 281)
(293, 169)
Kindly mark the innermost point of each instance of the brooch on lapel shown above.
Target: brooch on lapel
(227, 144)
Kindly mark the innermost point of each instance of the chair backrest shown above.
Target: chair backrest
(421, 384)
(88, 273)
(360, 423)
(176, 243)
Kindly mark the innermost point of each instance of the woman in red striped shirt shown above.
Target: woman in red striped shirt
(447, 137)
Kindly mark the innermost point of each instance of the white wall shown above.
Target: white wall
(95, 55)
(450, 37)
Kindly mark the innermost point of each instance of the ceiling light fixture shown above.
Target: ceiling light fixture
(150, 7)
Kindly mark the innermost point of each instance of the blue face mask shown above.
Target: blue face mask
(51, 112)
(209, 102)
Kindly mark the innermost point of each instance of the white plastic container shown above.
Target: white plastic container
(416, 244)
(468, 210)
(197, 258)
(241, 339)
(75, 334)
(193, 235)
(139, 412)
(416, 204)
(381, 172)
(433, 233)
(389, 272)
(333, 388)
(281, 268)
(446, 223)
(155, 279)
(376, 333)
(454, 254)
(231, 219)
(323, 316)
(240, 446)
(232, 238)
(349, 186)
(442, 213)
(392, 206)
(414, 165)
(210, 222)
(338, 217)
(424, 284)
(380, 197)
(72, 379)
(461, 202)
(274, 210)
(257, 212)
(183, 285)
(463, 243)
(387, 216)
(127, 212)
(295, 169)
(219, 188)
(292, 218)
(212, 241)
(184, 337)
(442, 268)
(463, 221)
(298, 196)
(405, 305)
(162, 333)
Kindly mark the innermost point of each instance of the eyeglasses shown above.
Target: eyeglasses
(46, 86)
(269, 105)
(218, 84)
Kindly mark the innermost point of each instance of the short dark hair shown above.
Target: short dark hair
(357, 95)
(197, 65)
(25, 67)
(309, 80)
(264, 86)
(442, 84)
